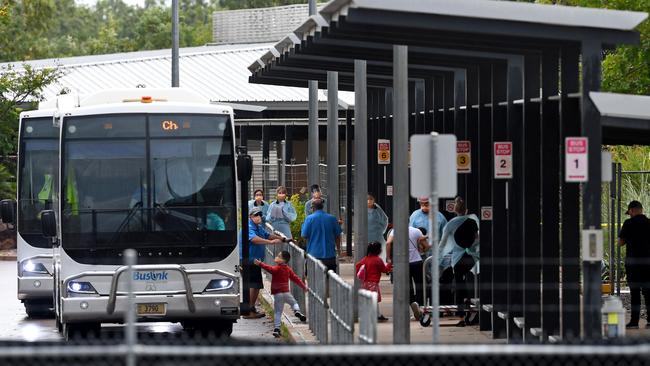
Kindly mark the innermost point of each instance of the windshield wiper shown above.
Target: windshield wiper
(125, 222)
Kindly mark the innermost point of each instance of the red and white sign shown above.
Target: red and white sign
(464, 157)
(503, 160)
(486, 213)
(576, 159)
(389, 190)
(383, 152)
(450, 205)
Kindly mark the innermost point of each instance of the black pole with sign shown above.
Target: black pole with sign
(244, 171)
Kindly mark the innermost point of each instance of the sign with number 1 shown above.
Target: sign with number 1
(576, 160)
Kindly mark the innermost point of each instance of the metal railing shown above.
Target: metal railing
(317, 300)
(298, 266)
(341, 310)
(367, 317)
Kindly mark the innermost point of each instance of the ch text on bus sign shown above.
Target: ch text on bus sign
(169, 125)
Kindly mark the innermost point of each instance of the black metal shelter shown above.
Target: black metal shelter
(485, 71)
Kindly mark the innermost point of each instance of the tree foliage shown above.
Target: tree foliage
(37, 29)
(626, 69)
(18, 89)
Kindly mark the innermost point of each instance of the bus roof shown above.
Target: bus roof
(137, 94)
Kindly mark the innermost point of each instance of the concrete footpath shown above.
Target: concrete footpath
(8, 255)
(299, 333)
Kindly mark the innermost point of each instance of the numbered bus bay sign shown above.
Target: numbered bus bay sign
(576, 159)
(503, 160)
(464, 157)
(383, 152)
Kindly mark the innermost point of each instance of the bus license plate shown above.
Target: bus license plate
(152, 309)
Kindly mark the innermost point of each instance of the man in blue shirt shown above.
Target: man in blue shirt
(420, 218)
(258, 237)
(323, 234)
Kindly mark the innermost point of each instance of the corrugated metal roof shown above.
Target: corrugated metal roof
(218, 73)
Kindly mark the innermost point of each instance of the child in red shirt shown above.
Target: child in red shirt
(281, 274)
(374, 266)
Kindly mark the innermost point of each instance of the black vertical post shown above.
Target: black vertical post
(438, 104)
(472, 134)
(428, 105)
(515, 196)
(371, 142)
(550, 170)
(386, 175)
(448, 103)
(244, 168)
(420, 111)
(266, 139)
(460, 121)
(288, 143)
(348, 182)
(499, 215)
(485, 166)
(570, 199)
(532, 193)
(591, 190)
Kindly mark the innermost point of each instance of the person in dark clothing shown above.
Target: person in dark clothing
(635, 235)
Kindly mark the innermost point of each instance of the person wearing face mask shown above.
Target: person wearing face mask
(281, 213)
(420, 217)
(377, 224)
(258, 201)
(316, 194)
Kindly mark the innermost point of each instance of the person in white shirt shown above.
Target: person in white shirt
(417, 245)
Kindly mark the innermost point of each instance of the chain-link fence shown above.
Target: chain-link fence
(223, 352)
(268, 175)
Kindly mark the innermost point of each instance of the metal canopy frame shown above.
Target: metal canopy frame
(625, 118)
(486, 71)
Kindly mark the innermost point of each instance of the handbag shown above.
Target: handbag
(361, 274)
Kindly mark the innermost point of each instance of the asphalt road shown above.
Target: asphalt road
(14, 324)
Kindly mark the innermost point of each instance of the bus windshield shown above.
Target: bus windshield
(37, 175)
(162, 184)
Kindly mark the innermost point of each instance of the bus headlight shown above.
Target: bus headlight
(81, 287)
(32, 267)
(219, 284)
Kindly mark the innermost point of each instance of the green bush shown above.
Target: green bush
(299, 205)
(7, 183)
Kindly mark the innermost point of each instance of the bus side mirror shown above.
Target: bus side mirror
(8, 211)
(48, 223)
(244, 167)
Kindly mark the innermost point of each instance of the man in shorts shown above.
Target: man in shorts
(258, 237)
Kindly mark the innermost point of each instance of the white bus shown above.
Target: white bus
(152, 170)
(38, 154)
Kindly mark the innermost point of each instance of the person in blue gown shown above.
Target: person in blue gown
(420, 217)
(281, 213)
(377, 224)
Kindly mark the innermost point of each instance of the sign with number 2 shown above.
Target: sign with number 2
(503, 160)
